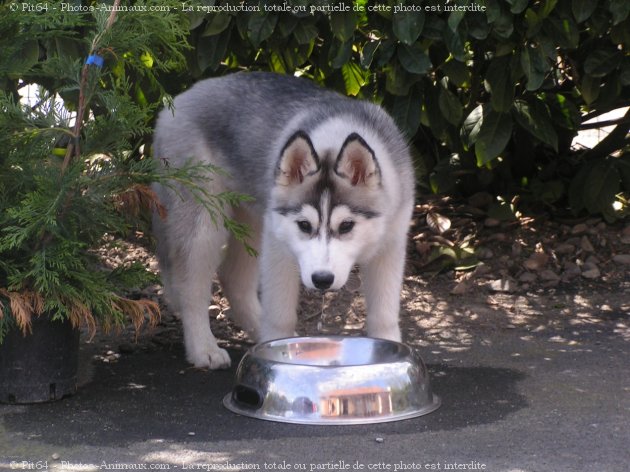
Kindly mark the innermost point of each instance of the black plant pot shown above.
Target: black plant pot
(41, 366)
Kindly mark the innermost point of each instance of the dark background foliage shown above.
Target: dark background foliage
(490, 93)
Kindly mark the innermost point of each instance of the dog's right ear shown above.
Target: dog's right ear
(297, 160)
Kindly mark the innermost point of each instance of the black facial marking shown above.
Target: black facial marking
(288, 210)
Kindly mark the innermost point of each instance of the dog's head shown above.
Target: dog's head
(327, 206)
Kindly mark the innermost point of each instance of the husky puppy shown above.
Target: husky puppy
(333, 187)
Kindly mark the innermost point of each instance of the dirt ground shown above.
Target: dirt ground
(467, 273)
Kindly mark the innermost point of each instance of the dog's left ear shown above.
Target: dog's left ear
(298, 160)
(357, 163)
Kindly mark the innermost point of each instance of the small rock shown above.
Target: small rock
(579, 228)
(503, 285)
(549, 275)
(591, 273)
(571, 271)
(622, 259)
(461, 288)
(527, 277)
(191, 433)
(564, 248)
(379, 440)
(586, 245)
(536, 261)
(55, 456)
(592, 260)
(575, 241)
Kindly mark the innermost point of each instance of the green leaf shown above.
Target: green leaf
(518, 6)
(602, 62)
(535, 119)
(602, 185)
(620, 10)
(457, 73)
(305, 32)
(590, 88)
(534, 23)
(564, 32)
(260, 27)
(609, 92)
(455, 44)
(408, 26)
(493, 137)
(504, 25)
(217, 24)
(398, 81)
(472, 125)
(211, 50)
(498, 84)
(450, 106)
(340, 53)
(478, 26)
(548, 7)
(354, 77)
(367, 53)
(534, 66)
(564, 111)
(406, 111)
(455, 18)
(343, 24)
(583, 9)
(432, 112)
(414, 59)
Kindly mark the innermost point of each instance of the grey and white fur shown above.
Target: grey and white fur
(333, 187)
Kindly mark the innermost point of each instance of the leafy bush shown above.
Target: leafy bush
(491, 92)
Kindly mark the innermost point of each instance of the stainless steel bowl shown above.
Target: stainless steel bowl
(332, 380)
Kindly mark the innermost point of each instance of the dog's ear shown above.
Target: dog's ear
(297, 160)
(357, 163)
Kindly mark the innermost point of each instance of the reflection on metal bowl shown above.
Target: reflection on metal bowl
(332, 380)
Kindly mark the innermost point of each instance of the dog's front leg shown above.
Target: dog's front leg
(382, 282)
(280, 287)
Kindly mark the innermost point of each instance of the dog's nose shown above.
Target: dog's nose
(322, 279)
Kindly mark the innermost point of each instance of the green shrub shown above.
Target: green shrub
(71, 171)
(491, 93)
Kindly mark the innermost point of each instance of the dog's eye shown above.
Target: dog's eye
(305, 226)
(345, 227)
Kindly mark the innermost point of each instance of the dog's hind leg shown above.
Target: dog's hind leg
(195, 258)
(239, 276)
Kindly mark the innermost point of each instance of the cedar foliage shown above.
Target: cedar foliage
(71, 166)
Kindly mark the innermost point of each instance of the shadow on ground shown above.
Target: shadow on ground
(154, 395)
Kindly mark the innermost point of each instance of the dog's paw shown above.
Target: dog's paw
(213, 358)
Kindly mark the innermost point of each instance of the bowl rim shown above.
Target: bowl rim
(404, 350)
